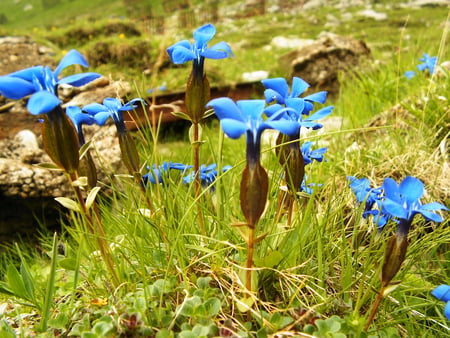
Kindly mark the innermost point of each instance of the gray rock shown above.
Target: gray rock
(320, 63)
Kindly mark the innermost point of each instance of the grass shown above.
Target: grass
(318, 276)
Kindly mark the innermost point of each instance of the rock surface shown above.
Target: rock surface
(320, 63)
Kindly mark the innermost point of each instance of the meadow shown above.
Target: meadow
(171, 259)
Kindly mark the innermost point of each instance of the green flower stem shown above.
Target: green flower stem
(197, 183)
(374, 309)
(96, 228)
(250, 252)
(394, 256)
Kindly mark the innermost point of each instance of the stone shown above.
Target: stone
(320, 63)
(27, 189)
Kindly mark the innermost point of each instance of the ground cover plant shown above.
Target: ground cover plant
(282, 238)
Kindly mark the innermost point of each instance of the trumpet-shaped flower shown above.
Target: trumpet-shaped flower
(402, 201)
(43, 83)
(428, 63)
(185, 51)
(442, 292)
(246, 116)
(113, 108)
(160, 173)
(277, 91)
(208, 174)
(371, 197)
(310, 155)
(79, 118)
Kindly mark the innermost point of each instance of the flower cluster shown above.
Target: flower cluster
(399, 202)
(428, 65)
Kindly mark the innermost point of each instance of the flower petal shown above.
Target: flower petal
(411, 189)
(29, 73)
(394, 209)
(73, 57)
(233, 128)
(42, 102)
(319, 97)
(15, 88)
(220, 50)
(181, 53)
(273, 96)
(320, 114)
(298, 86)
(277, 84)
(284, 126)
(252, 108)
(101, 117)
(225, 107)
(204, 34)
(430, 216)
(78, 80)
(95, 108)
(391, 191)
(442, 292)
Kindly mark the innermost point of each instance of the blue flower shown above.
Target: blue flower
(185, 51)
(402, 201)
(308, 188)
(43, 83)
(442, 292)
(208, 175)
(246, 116)
(429, 62)
(277, 91)
(79, 118)
(371, 197)
(113, 108)
(160, 174)
(310, 155)
(409, 74)
(299, 109)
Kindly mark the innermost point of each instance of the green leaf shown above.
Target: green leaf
(182, 115)
(16, 283)
(164, 333)
(270, 260)
(212, 306)
(84, 149)
(4, 288)
(245, 304)
(68, 203)
(91, 197)
(203, 282)
(48, 166)
(68, 263)
(28, 280)
(59, 322)
(82, 181)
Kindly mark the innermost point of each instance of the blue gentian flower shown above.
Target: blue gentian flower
(208, 175)
(79, 118)
(442, 292)
(308, 188)
(429, 62)
(157, 89)
(296, 113)
(371, 197)
(185, 51)
(246, 116)
(113, 108)
(409, 74)
(277, 91)
(43, 83)
(310, 155)
(160, 173)
(402, 201)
